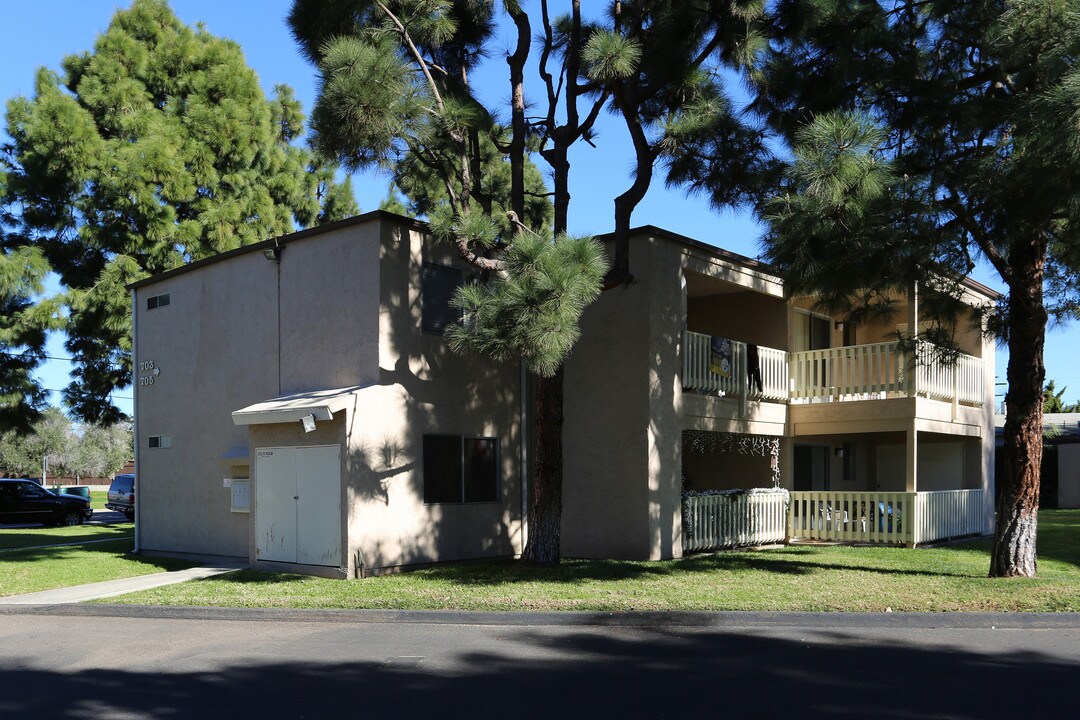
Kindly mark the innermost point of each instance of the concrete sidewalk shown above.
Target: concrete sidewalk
(109, 588)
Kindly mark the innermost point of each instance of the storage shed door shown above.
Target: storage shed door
(298, 504)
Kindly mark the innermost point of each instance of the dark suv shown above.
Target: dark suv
(122, 495)
(24, 501)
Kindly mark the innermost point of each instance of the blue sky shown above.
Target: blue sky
(41, 32)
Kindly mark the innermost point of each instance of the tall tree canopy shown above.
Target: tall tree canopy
(155, 149)
(395, 90)
(929, 136)
(23, 327)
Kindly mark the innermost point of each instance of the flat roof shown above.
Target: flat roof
(422, 226)
(281, 241)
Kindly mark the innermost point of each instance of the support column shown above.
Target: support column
(911, 504)
(911, 458)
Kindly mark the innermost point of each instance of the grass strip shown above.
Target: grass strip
(801, 577)
(33, 569)
(38, 536)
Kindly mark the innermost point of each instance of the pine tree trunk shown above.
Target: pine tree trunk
(545, 506)
(1013, 554)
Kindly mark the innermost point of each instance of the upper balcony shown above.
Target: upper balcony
(733, 369)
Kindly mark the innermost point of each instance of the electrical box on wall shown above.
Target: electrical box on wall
(240, 494)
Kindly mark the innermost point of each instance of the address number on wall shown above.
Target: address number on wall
(151, 370)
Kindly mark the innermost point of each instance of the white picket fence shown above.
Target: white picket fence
(945, 514)
(851, 517)
(712, 522)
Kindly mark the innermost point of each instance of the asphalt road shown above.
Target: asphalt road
(112, 662)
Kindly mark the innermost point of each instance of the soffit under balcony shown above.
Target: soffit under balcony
(700, 285)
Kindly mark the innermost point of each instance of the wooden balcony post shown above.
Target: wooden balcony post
(911, 460)
(742, 375)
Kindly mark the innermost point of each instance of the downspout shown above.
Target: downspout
(523, 471)
(135, 411)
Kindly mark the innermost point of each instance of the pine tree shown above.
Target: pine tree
(23, 327)
(928, 136)
(395, 91)
(156, 149)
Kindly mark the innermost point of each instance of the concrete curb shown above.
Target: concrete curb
(717, 620)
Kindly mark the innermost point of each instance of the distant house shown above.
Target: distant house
(1059, 486)
(297, 406)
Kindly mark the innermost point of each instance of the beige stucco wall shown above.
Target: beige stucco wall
(746, 315)
(424, 387)
(347, 302)
(216, 347)
(605, 435)
(1068, 476)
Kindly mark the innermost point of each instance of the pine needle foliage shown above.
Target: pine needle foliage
(532, 311)
(23, 328)
(928, 137)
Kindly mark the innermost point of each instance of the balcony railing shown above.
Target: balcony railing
(697, 375)
(854, 372)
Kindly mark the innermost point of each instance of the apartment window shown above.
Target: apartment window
(437, 286)
(460, 469)
(157, 301)
(160, 441)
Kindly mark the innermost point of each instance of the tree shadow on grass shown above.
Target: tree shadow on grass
(14, 539)
(122, 546)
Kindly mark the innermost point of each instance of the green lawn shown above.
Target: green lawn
(29, 537)
(793, 578)
(33, 569)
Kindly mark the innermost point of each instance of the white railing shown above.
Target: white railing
(880, 370)
(891, 518)
(945, 514)
(711, 522)
(850, 372)
(697, 375)
(851, 517)
(962, 380)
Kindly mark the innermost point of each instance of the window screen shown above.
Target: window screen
(437, 286)
(157, 301)
(460, 469)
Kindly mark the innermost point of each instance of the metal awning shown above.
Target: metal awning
(322, 404)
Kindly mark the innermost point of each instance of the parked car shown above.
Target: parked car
(122, 495)
(82, 491)
(24, 501)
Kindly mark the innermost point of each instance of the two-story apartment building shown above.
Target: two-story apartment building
(297, 406)
(836, 413)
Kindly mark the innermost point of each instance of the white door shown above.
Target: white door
(318, 489)
(298, 504)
